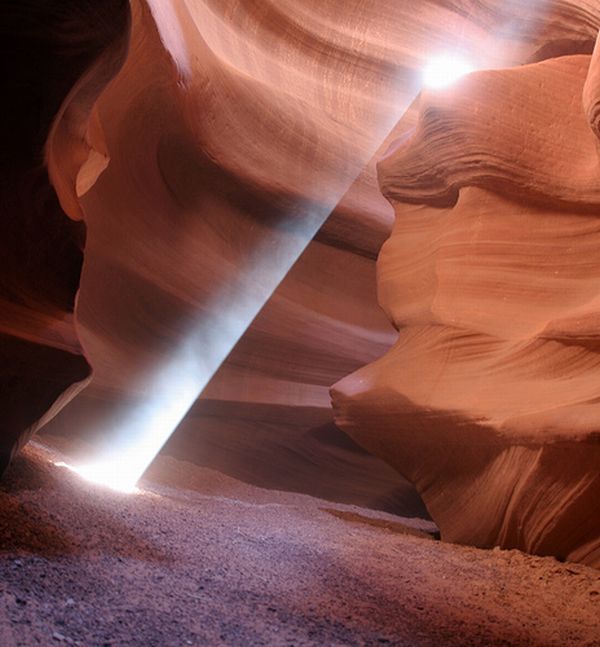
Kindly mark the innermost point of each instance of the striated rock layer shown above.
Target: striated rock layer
(489, 401)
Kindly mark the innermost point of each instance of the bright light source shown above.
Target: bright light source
(109, 476)
(442, 71)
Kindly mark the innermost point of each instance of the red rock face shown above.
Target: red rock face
(488, 401)
(204, 143)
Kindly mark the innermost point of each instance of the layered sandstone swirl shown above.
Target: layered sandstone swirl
(490, 399)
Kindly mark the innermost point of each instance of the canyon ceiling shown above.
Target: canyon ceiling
(195, 194)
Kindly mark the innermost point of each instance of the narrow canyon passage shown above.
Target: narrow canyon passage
(300, 323)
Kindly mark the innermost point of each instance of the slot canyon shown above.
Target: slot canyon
(300, 323)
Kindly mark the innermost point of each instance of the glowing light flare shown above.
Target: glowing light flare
(105, 475)
(443, 71)
(169, 395)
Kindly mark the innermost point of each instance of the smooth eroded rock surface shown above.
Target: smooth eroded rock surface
(489, 400)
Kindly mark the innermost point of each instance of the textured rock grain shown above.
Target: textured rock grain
(488, 401)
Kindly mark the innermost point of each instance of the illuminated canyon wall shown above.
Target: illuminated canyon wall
(489, 399)
(204, 144)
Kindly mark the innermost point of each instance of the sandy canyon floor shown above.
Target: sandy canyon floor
(196, 558)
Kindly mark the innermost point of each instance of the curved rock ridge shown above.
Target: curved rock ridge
(450, 149)
(489, 401)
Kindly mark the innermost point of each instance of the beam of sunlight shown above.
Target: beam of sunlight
(172, 389)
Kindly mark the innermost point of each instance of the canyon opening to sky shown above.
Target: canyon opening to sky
(300, 323)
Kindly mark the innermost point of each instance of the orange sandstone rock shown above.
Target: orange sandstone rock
(489, 402)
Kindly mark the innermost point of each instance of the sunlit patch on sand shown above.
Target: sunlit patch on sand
(106, 475)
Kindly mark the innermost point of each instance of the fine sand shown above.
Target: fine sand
(196, 558)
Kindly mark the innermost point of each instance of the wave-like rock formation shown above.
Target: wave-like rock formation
(489, 401)
(203, 143)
